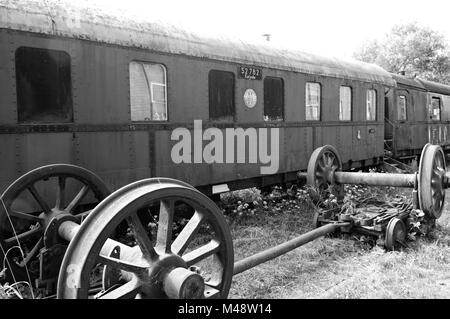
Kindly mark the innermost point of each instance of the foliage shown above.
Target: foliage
(415, 50)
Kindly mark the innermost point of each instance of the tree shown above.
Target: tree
(415, 50)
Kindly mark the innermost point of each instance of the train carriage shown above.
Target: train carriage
(417, 112)
(438, 111)
(406, 125)
(106, 93)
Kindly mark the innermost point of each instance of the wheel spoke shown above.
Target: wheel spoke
(39, 199)
(121, 264)
(182, 241)
(201, 253)
(142, 237)
(24, 236)
(165, 221)
(33, 252)
(14, 213)
(321, 164)
(324, 160)
(77, 199)
(128, 290)
(329, 160)
(60, 193)
(439, 171)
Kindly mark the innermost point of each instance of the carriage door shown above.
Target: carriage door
(435, 132)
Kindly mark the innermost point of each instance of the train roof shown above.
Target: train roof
(407, 81)
(435, 87)
(60, 18)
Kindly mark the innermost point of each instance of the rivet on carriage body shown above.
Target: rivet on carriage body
(224, 143)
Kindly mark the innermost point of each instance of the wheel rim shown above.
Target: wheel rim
(431, 181)
(395, 234)
(31, 221)
(153, 257)
(323, 163)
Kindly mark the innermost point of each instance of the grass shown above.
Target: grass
(338, 267)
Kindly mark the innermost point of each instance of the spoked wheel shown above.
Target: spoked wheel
(188, 254)
(323, 163)
(30, 211)
(432, 181)
(395, 234)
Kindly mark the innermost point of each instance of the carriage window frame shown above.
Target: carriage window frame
(350, 104)
(432, 115)
(308, 102)
(134, 109)
(216, 112)
(370, 103)
(399, 106)
(38, 102)
(268, 108)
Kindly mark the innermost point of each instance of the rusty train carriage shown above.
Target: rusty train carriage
(101, 135)
(438, 100)
(72, 91)
(407, 131)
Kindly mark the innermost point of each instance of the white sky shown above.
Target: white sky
(327, 27)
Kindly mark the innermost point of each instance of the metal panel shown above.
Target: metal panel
(359, 143)
(9, 155)
(112, 155)
(99, 75)
(52, 17)
(299, 147)
(8, 114)
(43, 149)
(344, 142)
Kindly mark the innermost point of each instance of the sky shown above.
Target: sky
(326, 27)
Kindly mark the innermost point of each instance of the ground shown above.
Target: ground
(338, 267)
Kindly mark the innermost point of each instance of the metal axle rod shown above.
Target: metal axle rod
(375, 179)
(372, 179)
(274, 252)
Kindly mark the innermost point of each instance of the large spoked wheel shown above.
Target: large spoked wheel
(395, 234)
(29, 209)
(188, 254)
(322, 165)
(431, 181)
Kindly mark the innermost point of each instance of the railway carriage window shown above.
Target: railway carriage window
(44, 88)
(148, 100)
(221, 94)
(345, 103)
(401, 107)
(371, 105)
(312, 101)
(435, 109)
(273, 99)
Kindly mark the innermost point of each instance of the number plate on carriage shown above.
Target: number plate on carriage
(249, 73)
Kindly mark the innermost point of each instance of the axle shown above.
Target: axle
(370, 179)
(274, 252)
(375, 179)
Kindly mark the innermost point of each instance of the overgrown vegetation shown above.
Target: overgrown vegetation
(342, 267)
